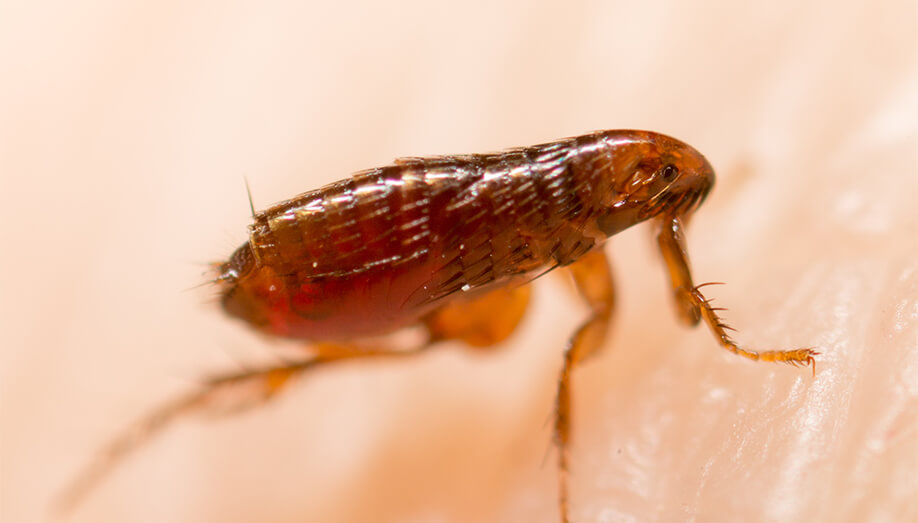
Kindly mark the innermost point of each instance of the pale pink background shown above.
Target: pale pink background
(127, 128)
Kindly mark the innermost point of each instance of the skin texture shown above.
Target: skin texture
(124, 141)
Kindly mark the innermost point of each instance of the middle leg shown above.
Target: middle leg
(593, 280)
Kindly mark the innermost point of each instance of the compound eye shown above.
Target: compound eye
(669, 173)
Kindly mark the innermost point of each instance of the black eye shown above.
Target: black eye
(669, 172)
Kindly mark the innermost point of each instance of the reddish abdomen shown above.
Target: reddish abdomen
(375, 252)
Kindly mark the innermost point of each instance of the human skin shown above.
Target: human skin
(125, 139)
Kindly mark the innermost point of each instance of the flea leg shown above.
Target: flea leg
(482, 321)
(593, 279)
(217, 395)
(693, 306)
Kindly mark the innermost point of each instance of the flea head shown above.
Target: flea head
(652, 175)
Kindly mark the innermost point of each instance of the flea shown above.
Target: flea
(450, 244)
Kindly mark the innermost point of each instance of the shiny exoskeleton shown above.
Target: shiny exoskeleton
(377, 251)
(449, 244)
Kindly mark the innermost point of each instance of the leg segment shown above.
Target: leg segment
(693, 306)
(483, 321)
(593, 280)
(218, 395)
(480, 322)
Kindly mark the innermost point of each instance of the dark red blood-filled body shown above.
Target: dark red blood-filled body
(377, 251)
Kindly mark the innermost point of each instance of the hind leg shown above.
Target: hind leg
(480, 322)
(221, 394)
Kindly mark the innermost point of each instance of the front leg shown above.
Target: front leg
(693, 306)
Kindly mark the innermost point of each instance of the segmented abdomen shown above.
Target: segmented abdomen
(399, 238)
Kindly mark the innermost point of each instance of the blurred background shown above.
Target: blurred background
(127, 130)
